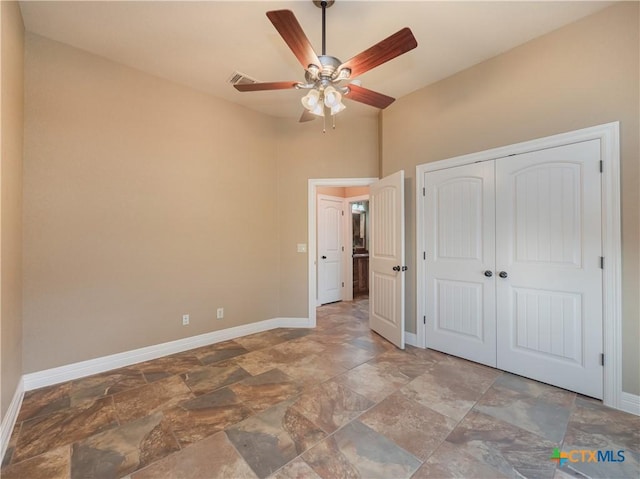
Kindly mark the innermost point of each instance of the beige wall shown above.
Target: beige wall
(338, 191)
(304, 152)
(144, 200)
(352, 191)
(343, 192)
(584, 74)
(11, 136)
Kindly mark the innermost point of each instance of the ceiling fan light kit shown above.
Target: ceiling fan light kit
(324, 73)
(329, 96)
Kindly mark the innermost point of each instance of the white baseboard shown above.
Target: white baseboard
(9, 419)
(81, 369)
(411, 338)
(630, 403)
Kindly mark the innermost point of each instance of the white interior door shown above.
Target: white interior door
(330, 211)
(460, 257)
(386, 258)
(549, 243)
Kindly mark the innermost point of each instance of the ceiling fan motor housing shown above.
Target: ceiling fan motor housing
(328, 74)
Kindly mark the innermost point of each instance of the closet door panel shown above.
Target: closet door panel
(548, 243)
(460, 232)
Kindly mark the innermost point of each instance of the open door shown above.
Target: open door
(386, 258)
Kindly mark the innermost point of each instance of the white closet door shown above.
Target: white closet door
(548, 243)
(460, 250)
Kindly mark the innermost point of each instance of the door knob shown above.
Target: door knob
(396, 268)
(323, 257)
(488, 273)
(502, 274)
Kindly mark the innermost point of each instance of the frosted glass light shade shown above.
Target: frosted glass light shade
(318, 109)
(337, 108)
(332, 97)
(311, 100)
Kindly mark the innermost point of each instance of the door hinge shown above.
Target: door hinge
(343, 248)
(424, 255)
(342, 212)
(601, 262)
(602, 359)
(601, 166)
(424, 320)
(343, 284)
(424, 191)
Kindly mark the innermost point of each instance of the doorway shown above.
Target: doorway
(342, 243)
(314, 186)
(358, 208)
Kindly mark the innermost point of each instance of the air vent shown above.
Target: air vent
(238, 78)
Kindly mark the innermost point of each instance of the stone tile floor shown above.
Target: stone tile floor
(334, 402)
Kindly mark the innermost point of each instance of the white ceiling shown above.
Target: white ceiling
(200, 44)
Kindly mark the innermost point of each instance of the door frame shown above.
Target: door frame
(312, 248)
(609, 136)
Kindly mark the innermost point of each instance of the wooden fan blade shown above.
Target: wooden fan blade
(293, 35)
(306, 116)
(368, 97)
(389, 48)
(274, 85)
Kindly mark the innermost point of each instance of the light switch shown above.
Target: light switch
(302, 248)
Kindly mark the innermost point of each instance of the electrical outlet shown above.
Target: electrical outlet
(185, 319)
(220, 313)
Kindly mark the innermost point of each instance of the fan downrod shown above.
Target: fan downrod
(324, 4)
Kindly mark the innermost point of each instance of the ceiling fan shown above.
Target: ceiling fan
(324, 73)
